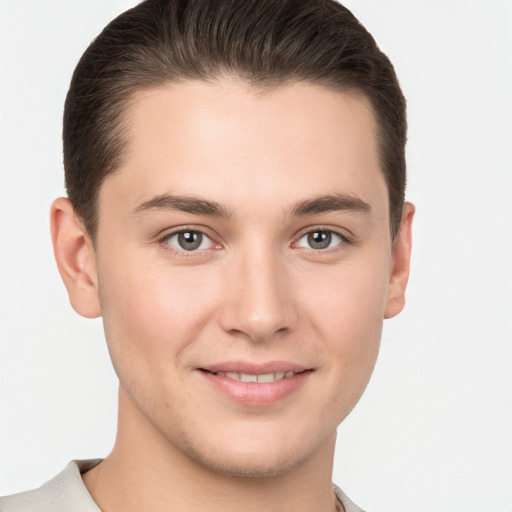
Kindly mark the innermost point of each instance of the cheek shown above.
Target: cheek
(153, 312)
(350, 297)
(346, 309)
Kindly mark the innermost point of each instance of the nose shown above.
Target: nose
(258, 297)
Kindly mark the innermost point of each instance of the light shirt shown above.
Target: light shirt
(67, 493)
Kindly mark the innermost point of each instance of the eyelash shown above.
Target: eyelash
(164, 241)
(344, 240)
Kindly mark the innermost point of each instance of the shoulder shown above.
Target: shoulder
(347, 503)
(63, 493)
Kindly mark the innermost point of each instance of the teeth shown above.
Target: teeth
(245, 377)
(265, 377)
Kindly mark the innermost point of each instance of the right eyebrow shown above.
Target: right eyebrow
(184, 204)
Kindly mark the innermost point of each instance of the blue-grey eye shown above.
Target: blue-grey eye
(189, 241)
(320, 239)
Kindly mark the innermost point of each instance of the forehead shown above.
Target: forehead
(235, 142)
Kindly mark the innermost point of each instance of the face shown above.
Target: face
(243, 263)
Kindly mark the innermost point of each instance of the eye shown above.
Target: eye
(189, 240)
(320, 239)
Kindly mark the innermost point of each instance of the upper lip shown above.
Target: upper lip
(255, 368)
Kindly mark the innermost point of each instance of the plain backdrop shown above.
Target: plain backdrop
(433, 431)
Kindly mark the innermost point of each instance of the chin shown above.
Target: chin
(245, 452)
(247, 464)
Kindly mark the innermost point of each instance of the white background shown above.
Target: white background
(434, 429)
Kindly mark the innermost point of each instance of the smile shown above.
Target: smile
(256, 385)
(263, 377)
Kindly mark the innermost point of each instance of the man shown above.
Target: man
(235, 173)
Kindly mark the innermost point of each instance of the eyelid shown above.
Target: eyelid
(166, 234)
(346, 239)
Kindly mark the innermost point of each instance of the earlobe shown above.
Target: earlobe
(75, 257)
(400, 264)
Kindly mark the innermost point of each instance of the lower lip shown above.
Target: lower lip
(254, 393)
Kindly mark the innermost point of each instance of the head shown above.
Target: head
(236, 178)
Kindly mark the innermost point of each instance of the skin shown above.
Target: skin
(255, 291)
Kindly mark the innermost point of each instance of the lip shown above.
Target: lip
(255, 368)
(256, 394)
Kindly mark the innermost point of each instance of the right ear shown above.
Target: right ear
(75, 257)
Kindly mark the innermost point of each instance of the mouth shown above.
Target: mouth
(260, 378)
(256, 385)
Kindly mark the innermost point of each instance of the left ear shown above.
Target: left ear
(400, 263)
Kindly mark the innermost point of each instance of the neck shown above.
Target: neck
(147, 472)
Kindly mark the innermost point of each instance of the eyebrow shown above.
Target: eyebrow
(184, 204)
(330, 203)
(196, 206)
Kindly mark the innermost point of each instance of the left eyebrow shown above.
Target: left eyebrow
(330, 203)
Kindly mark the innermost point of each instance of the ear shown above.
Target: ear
(400, 263)
(76, 258)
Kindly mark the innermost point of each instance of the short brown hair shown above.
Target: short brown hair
(264, 42)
